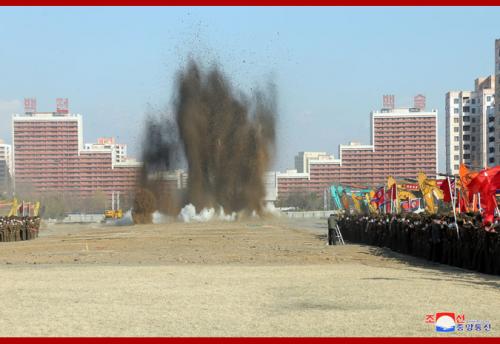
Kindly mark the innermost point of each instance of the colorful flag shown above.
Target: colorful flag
(390, 196)
(415, 204)
(379, 197)
(485, 183)
(405, 205)
(411, 205)
(448, 186)
(410, 187)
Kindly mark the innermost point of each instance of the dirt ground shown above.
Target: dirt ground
(273, 277)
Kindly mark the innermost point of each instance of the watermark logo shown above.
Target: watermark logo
(451, 322)
(445, 322)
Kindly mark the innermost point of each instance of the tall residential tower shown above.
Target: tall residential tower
(49, 156)
(497, 97)
(470, 132)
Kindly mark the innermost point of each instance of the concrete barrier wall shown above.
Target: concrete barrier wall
(83, 218)
(318, 214)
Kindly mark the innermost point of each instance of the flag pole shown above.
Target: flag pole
(392, 199)
(397, 199)
(383, 205)
(453, 205)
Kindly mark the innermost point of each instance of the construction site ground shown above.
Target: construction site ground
(270, 277)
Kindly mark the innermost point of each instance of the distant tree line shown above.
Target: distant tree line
(301, 201)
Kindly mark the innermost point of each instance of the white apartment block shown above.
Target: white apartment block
(470, 133)
(302, 160)
(497, 97)
(6, 154)
(118, 150)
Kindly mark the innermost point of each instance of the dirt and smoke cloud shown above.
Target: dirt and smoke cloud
(225, 138)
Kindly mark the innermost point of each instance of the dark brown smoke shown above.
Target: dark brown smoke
(226, 138)
(161, 154)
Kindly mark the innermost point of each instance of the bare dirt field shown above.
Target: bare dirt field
(271, 277)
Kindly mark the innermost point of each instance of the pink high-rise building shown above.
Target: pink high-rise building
(49, 156)
(403, 143)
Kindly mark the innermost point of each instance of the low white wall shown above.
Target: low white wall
(309, 214)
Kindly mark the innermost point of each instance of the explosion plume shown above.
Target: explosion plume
(226, 138)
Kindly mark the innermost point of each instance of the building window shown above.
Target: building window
(473, 120)
(491, 139)
(473, 148)
(491, 129)
(466, 118)
(455, 101)
(473, 100)
(455, 130)
(473, 110)
(466, 137)
(457, 147)
(466, 109)
(466, 127)
(492, 160)
(488, 98)
(455, 110)
(466, 147)
(466, 156)
(473, 139)
(455, 120)
(473, 129)
(457, 167)
(456, 138)
(456, 157)
(492, 150)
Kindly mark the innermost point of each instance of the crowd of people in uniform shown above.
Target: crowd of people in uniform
(464, 243)
(15, 228)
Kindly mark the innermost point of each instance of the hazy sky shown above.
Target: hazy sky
(331, 65)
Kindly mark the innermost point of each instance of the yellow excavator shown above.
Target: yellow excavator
(115, 212)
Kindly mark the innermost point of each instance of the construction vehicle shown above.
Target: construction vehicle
(115, 212)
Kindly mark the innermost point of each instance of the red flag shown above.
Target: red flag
(495, 182)
(415, 204)
(485, 184)
(391, 193)
(390, 196)
(379, 197)
(445, 186)
(462, 204)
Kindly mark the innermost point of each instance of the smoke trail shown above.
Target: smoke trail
(161, 153)
(226, 138)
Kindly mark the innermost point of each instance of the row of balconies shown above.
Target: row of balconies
(420, 139)
(37, 125)
(403, 125)
(77, 183)
(404, 129)
(73, 134)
